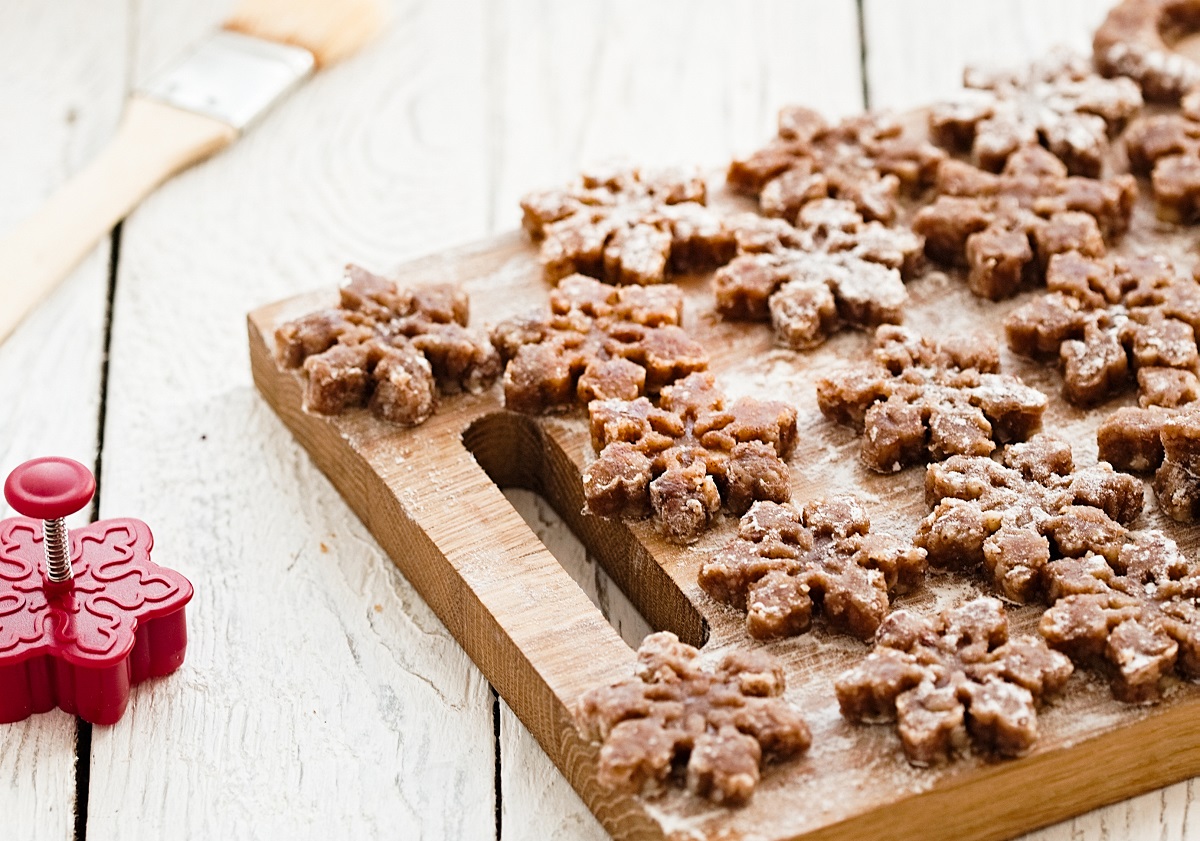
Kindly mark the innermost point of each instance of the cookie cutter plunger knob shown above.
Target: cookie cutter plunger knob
(50, 489)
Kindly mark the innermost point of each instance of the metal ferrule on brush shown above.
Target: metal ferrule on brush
(233, 78)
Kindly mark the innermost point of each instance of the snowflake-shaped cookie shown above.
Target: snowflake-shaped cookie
(1011, 517)
(1137, 613)
(787, 563)
(867, 160)
(627, 226)
(1132, 42)
(711, 721)
(1060, 103)
(1177, 481)
(954, 680)
(391, 349)
(1107, 318)
(596, 342)
(686, 456)
(1167, 148)
(920, 399)
(1005, 227)
(831, 269)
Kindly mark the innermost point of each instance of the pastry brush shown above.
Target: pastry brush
(194, 109)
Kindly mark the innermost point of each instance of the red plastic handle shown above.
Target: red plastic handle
(49, 488)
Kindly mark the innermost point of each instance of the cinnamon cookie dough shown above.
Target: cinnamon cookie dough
(1107, 319)
(831, 269)
(597, 342)
(1167, 148)
(1060, 102)
(1135, 614)
(954, 680)
(1011, 517)
(705, 721)
(786, 563)
(627, 226)
(1004, 228)
(394, 350)
(1134, 41)
(920, 399)
(1177, 481)
(868, 160)
(686, 456)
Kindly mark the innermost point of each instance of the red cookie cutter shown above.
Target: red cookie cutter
(83, 615)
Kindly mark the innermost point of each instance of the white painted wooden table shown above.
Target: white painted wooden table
(321, 698)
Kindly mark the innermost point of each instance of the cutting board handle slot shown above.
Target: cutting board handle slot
(515, 451)
(581, 565)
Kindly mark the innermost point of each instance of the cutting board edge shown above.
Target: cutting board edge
(471, 623)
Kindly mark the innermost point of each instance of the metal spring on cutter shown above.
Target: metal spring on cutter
(58, 549)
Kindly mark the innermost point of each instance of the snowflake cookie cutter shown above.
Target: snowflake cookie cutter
(85, 614)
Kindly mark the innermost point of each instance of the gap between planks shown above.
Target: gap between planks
(64, 93)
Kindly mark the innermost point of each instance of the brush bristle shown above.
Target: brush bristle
(329, 29)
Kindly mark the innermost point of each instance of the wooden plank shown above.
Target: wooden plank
(681, 82)
(659, 84)
(917, 49)
(916, 53)
(320, 696)
(62, 83)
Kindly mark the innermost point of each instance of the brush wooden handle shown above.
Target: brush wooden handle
(153, 142)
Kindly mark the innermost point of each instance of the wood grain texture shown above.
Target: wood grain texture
(537, 802)
(320, 693)
(153, 142)
(562, 543)
(62, 85)
(668, 83)
(660, 84)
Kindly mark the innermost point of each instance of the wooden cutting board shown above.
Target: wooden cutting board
(431, 496)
